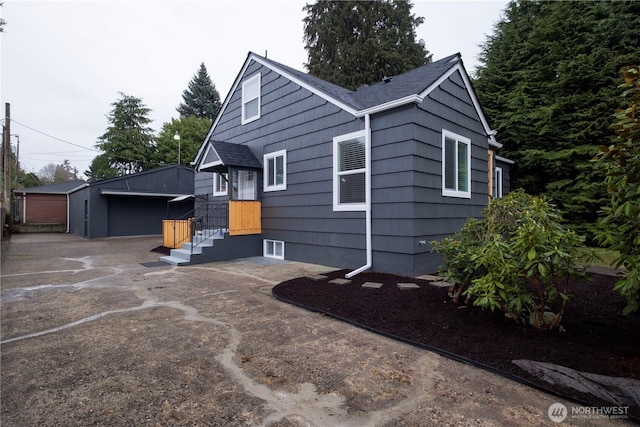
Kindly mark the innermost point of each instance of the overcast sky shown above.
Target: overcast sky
(64, 62)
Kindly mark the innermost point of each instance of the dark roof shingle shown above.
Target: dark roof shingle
(57, 188)
(236, 155)
(412, 82)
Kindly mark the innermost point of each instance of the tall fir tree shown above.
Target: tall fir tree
(100, 168)
(128, 142)
(351, 43)
(547, 82)
(201, 99)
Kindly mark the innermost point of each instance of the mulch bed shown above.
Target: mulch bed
(596, 337)
(162, 250)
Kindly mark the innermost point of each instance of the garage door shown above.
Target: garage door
(132, 216)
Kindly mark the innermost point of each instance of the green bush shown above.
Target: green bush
(621, 163)
(519, 259)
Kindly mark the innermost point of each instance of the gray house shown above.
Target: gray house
(359, 179)
(133, 204)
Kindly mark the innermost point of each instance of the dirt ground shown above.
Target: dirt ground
(89, 336)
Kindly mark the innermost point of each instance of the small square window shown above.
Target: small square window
(220, 184)
(251, 99)
(275, 171)
(273, 249)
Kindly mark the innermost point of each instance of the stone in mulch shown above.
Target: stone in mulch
(374, 285)
(430, 278)
(441, 284)
(405, 286)
(317, 277)
(340, 281)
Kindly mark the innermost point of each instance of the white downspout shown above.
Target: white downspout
(24, 208)
(68, 213)
(367, 189)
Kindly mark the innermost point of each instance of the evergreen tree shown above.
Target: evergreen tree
(100, 168)
(351, 43)
(547, 82)
(201, 99)
(191, 130)
(128, 142)
(2, 21)
(28, 179)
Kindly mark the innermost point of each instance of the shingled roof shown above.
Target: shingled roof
(226, 154)
(409, 87)
(412, 82)
(57, 188)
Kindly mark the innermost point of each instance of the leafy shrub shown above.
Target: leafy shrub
(621, 163)
(519, 259)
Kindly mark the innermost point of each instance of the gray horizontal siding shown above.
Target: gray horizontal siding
(302, 216)
(407, 201)
(203, 183)
(408, 206)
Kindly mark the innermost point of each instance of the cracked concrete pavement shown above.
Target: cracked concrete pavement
(89, 336)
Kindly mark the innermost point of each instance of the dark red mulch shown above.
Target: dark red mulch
(597, 338)
(162, 250)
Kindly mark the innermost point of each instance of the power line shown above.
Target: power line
(54, 137)
(145, 161)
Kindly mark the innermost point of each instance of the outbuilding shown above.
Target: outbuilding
(133, 204)
(44, 208)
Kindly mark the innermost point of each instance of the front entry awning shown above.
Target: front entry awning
(220, 155)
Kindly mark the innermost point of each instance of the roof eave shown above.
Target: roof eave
(505, 160)
(411, 99)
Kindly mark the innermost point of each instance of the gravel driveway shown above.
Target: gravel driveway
(89, 336)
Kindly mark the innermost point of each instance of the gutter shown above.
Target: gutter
(367, 187)
(504, 159)
(411, 99)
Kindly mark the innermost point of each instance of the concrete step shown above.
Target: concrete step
(185, 253)
(203, 239)
(174, 260)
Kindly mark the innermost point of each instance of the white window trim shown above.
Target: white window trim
(337, 206)
(498, 182)
(216, 177)
(246, 99)
(265, 242)
(265, 163)
(447, 191)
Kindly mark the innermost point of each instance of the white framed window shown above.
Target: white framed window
(349, 172)
(456, 165)
(220, 184)
(273, 249)
(275, 171)
(251, 99)
(497, 182)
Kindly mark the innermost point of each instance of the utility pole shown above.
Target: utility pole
(6, 168)
(16, 178)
